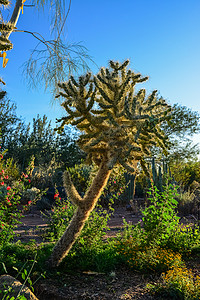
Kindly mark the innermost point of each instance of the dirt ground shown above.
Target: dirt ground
(34, 222)
(120, 284)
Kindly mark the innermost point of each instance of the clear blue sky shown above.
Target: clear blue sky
(161, 38)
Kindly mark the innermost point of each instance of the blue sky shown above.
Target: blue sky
(161, 38)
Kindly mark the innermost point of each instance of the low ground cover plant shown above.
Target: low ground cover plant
(177, 283)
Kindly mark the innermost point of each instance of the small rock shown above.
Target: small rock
(9, 281)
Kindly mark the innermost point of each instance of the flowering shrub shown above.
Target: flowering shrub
(10, 195)
(59, 218)
(177, 283)
(147, 258)
(61, 214)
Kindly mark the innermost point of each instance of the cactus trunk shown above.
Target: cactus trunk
(69, 237)
(84, 208)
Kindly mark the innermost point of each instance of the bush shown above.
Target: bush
(10, 197)
(147, 259)
(178, 283)
(158, 238)
(160, 218)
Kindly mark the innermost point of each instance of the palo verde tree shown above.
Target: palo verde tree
(118, 128)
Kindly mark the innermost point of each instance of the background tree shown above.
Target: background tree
(22, 141)
(118, 127)
(183, 125)
(68, 153)
(8, 120)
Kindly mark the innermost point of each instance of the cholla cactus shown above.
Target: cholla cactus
(115, 121)
(118, 127)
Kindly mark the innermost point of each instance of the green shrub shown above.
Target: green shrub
(160, 218)
(158, 238)
(185, 240)
(146, 259)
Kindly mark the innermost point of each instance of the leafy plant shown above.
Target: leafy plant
(58, 218)
(146, 259)
(25, 275)
(10, 196)
(160, 218)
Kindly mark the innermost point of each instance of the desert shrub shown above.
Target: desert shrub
(158, 239)
(10, 196)
(189, 200)
(60, 215)
(45, 176)
(185, 240)
(160, 218)
(146, 259)
(178, 283)
(11, 170)
(58, 218)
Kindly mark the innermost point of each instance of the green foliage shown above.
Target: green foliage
(10, 195)
(62, 213)
(158, 240)
(159, 218)
(80, 175)
(24, 273)
(186, 173)
(58, 218)
(185, 240)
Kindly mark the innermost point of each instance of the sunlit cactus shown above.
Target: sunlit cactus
(118, 125)
(113, 118)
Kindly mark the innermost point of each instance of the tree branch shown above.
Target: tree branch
(64, 20)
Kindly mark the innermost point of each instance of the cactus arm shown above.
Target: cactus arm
(71, 190)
